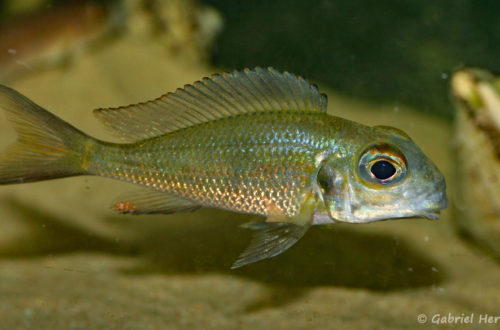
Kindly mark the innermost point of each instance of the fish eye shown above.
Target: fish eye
(382, 164)
(382, 169)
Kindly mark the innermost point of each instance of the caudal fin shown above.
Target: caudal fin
(46, 148)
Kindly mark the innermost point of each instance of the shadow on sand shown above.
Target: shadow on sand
(339, 256)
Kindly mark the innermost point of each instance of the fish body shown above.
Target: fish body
(253, 141)
(256, 163)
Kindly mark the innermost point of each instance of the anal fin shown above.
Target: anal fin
(269, 240)
(154, 201)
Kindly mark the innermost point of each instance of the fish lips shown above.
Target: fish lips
(434, 204)
(431, 215)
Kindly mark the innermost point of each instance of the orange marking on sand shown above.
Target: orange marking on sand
(125, 207)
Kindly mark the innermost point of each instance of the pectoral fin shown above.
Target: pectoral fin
(269, 240)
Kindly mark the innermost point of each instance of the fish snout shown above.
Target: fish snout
(432, 205)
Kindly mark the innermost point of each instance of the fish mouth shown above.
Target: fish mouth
(435, 203)
(431, 215)
(429, 208)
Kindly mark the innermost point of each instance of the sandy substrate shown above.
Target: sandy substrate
(66, 261)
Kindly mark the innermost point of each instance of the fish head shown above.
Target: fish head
(384, 176)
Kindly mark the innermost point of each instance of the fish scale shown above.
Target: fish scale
(257, 170)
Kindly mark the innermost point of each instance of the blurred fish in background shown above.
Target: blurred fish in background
(36, 41)
(46, 34)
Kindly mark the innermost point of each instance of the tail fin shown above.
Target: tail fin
(46, 148)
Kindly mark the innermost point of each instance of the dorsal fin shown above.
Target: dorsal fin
(219, 96)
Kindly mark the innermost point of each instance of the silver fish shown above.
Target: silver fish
(254, 141)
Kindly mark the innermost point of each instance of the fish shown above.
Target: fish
(255, 141)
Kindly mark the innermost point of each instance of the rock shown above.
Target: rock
(477, 127)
